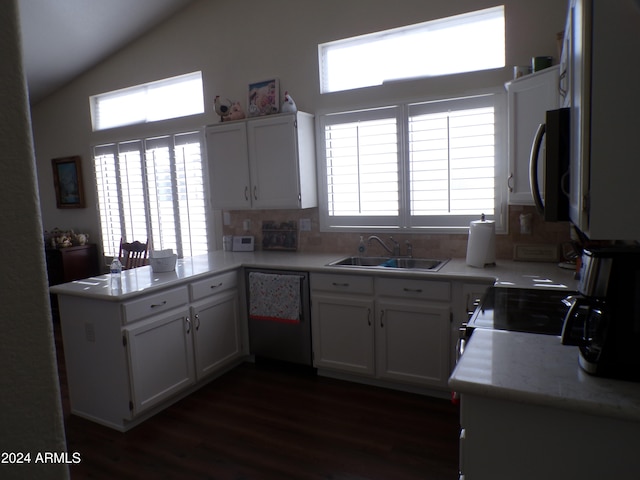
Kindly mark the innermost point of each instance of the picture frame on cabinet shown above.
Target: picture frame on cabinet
(67, 181)
(264, 98)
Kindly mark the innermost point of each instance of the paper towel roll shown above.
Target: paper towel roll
(481, 249)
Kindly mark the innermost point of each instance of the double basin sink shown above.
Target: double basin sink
(404, 263)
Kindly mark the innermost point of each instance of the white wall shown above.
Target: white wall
(235, 42)
(30, 403)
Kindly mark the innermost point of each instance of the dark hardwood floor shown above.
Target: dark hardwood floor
(263, 421)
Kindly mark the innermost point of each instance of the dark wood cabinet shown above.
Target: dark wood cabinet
(72, 263)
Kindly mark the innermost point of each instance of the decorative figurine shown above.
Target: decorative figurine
(288, 105)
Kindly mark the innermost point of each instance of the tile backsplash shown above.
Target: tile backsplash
(424, 245)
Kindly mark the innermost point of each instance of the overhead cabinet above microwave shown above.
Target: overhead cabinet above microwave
(266, 162)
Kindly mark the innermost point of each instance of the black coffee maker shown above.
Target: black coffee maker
(604, 318)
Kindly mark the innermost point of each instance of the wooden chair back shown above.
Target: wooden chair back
(134, 254)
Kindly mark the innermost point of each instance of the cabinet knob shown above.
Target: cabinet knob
(509, 183)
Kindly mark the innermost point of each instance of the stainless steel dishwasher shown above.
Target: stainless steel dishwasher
(283, 335)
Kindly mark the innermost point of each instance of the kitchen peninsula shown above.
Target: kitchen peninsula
(528, 411)
(133, 351)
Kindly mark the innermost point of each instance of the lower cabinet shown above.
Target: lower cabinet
(502, 439)
(389, 329)
(216, 332)
(412, 341)
(160, 355)
(343, 332)
(126, 361)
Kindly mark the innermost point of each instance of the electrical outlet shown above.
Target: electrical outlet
(305, 224)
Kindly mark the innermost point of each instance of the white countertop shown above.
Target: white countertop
(142, 280)
(538, 369)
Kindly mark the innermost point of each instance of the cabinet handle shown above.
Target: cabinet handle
(255, 193)
(509, 183)
(412, 290)
(154, 305)
(188, 320)
(197, 318)
(381, 318)
(335, 284)
(369, 316)
(216, 286)
(246, 193)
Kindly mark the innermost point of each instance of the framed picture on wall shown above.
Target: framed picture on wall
(67, 180)
(264, 98)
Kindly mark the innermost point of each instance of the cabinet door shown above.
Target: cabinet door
(529, 99)
(412, 341)
(343, 333)
(160, 354)
(229, 165)
(273, 156)
(217, 333)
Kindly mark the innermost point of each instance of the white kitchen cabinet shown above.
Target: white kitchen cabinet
(393, 330)
(412, 341)
(343, 334)
(413, 320)
(217, 331)
(266, 162)
(342, 312)
(503, 440)
(160, 355)
(229, 165)
(217, 335)
(529, 98)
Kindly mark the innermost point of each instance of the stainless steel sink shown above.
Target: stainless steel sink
(405, 263)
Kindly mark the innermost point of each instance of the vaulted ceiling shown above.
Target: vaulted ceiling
(61, 39)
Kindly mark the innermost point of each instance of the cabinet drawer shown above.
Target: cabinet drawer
(154, 304)
(213, 285)
(342, 283)
(412, 288)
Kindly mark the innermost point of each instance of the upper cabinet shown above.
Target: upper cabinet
(529, 99)
(263, 163)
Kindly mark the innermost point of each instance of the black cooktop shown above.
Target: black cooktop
(522, 310)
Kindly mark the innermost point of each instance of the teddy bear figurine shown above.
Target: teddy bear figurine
(235, 113)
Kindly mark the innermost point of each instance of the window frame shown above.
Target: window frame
(140, 94)
(405, 222)
(380, 63)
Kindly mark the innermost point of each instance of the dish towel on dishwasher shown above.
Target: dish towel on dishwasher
(274, 297)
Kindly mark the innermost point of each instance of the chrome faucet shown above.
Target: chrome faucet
(396, 246)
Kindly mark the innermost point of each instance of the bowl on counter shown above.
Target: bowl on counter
(163, 260)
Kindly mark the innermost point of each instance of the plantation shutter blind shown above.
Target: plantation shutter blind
(153, 189)
(362, 166)
(191, 196)
(451, 161)
(105, 165)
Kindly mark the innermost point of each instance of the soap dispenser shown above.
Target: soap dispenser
(361, 246)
